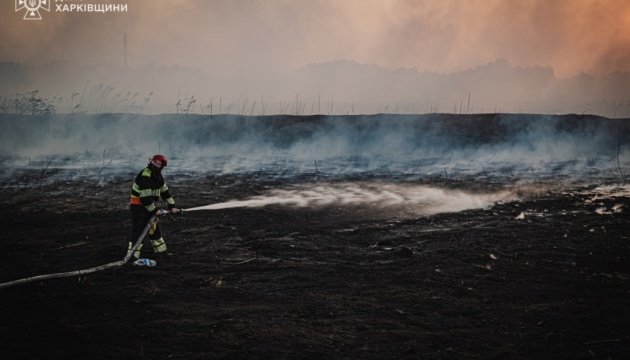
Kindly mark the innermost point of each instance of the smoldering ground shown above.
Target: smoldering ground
(436, 236)
(340, 160)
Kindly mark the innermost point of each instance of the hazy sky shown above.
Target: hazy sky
(226, 37)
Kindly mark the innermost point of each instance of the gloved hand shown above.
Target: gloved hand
(162, 212)
(174, 210)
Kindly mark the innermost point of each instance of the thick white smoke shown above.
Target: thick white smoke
(505, 147)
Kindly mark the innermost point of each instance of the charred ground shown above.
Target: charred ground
(318, 282)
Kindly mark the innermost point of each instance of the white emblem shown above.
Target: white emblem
(32, 8)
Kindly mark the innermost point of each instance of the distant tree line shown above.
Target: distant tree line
(30, 103)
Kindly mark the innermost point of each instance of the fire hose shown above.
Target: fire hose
(94, 269)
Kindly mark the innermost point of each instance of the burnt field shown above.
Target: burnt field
(421, 237)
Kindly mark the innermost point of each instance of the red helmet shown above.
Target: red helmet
(159, 161)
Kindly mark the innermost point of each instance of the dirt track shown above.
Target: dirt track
(327, 283)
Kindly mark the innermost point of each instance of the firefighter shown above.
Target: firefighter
(148, 188)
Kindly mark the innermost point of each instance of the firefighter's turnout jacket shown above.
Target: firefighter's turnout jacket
(147, 189)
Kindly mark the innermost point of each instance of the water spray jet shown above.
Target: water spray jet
(422, 199)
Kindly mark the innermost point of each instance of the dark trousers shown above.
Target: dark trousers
(139, 218)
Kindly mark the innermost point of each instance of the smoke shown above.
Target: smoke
(251, 50)
(421, 200)
(439, 146)
(257, 37)
(443, 36)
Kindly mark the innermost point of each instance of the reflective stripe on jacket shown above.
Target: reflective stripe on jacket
(149, 187)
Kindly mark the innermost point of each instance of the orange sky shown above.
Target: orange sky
(252, 37)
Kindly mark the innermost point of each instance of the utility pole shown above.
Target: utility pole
(125, 53)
